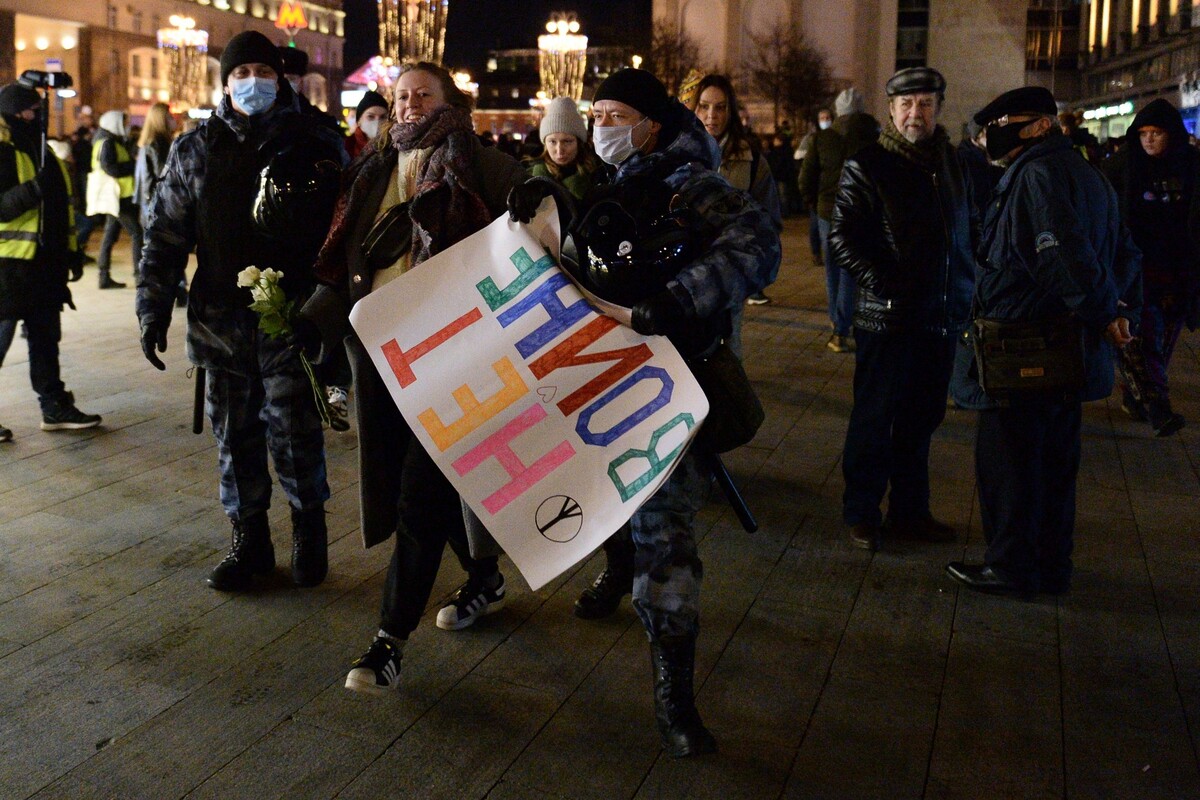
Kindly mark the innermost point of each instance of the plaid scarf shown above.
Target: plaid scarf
(446, 206)
(926, 153)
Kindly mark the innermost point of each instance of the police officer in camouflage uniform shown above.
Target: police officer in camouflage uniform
(645, 134)
(258, 398)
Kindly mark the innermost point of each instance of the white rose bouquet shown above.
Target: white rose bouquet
(275, 313)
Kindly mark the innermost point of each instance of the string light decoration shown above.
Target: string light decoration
(562, 58)
(412, 30)
(185, 51)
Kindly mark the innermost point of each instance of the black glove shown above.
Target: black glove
(307, 337)
(524, 199)
(75, 265)
(154, 335)
(46, 174)
(660, 315)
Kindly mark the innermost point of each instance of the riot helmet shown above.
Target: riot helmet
(296, 192)
(631, 241)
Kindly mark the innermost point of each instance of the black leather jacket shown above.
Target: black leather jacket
(905, 234)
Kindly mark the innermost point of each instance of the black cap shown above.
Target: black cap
(370, 100)
(16, 98)
(1026, 100)
(295, 60)
(249, 47)
(637, 88)
(916, 80)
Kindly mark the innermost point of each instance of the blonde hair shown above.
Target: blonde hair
(158, 124)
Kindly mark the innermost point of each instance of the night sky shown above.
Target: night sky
(476, 26)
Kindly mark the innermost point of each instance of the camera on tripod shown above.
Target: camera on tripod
(39, 79)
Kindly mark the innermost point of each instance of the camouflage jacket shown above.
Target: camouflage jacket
(222, 331)
(744, 257)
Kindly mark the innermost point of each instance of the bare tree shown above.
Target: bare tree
(789, 72)
(672, 53)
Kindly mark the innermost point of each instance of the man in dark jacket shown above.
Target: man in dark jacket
(1053, 246)
(37, 250)
(902, 227)
(1156, 176)
(258, 397)
(819, 175)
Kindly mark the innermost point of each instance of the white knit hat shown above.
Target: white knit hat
(850, 101)
(562, 116)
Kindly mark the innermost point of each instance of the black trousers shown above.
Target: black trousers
(430, 516)
(128, 220)
(1026, 463)
(900, 383)
(44, 330)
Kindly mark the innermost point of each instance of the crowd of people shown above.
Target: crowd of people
(925, 246)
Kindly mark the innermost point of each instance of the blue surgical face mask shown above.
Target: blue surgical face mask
(614, 143)
(253, 95)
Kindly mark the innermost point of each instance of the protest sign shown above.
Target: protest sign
(553, 421)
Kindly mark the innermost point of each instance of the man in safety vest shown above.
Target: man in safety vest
(37, 251)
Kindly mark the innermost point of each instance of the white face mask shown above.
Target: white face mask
(370, 127)
(824, 124)
(614, 144)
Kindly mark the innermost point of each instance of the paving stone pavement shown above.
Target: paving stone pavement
(825, 671)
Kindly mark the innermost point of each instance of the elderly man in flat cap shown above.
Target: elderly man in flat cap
(902, 226)
(1055, 250)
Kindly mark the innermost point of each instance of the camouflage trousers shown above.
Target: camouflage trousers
(254, 413)
(667, 568)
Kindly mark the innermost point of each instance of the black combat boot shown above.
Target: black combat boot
(251, 554)
(310, 546)
(604, 595)
(679, 724)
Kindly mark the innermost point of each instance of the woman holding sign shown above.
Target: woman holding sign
(428, 184)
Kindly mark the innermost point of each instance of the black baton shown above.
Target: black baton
(198, 403)
(725, 480)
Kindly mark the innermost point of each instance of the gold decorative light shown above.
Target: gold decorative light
(413, 30)
(562, 57)
(185, 51)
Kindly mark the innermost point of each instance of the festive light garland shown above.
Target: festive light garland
(562, 58)
(412, 30)
(186, 52)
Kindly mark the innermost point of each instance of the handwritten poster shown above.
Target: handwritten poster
(553, 421)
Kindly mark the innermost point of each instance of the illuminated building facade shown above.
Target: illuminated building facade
(112, 49)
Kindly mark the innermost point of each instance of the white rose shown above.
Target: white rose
(248, 277)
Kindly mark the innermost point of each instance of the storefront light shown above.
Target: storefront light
(1109, 111)
(41, 43)
(20, 43)
(68, 43)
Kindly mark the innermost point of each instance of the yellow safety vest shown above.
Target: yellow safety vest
(125, 183)
(19, 237)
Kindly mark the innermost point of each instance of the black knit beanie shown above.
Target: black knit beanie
(637, 88)
(295, 60)
(370, 100)
(249, 47)
(16, 98)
